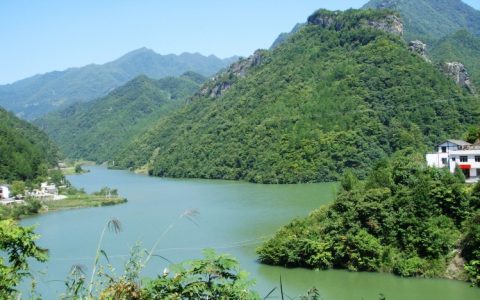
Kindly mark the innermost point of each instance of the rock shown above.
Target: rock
(391, 24)
(323, 20)
(388, 22)
(221, 83)
(419, 48)
(240, 68)
(459, 74)
(455, 269)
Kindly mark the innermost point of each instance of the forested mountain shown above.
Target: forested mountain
(460, 46)
(96, 130)
(340, 93)
(26, 152)
(450, 28)
(35, 96)
(431, 20)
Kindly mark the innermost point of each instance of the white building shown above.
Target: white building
(48, 188)
(4, 192)
(453, 153)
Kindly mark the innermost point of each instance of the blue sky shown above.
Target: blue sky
(38, 36)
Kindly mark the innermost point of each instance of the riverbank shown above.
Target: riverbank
(32, 206)
(81, 201)
(406, 219)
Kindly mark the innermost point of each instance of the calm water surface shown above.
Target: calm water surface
(233, 218)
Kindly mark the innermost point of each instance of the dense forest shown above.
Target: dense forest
(404, 218)
(26, 152)
(338, 94)
(450, 28)
(98, 129)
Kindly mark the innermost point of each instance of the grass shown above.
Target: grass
(82, 200)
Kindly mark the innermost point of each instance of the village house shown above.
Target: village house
(46, 192)
(4, 192)
(453, 153)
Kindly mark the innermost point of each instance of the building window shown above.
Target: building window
(444, 161)
(477, 158)
(453, 158)
(444, 149)
(463, 158)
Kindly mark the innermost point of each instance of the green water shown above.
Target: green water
(234, 218)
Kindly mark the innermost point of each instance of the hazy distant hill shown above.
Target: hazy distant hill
(340, 93)
(431, 20)
(26, 152)
(40, 94)
(98, 129)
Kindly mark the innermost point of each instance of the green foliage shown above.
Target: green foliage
(431, 20)
(33, 97)
(97, 130)
(473, 134)
(18, 243)
(349, 181)
(106, 191)
(213, 277)
(405, 219)
(18, 188)
(78, 169)
(26, 153)
(471, 242)
(17, 211)
(323, 101)
(461, 46)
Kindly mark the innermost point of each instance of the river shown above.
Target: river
(234, 217)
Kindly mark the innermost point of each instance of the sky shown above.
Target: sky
(38, 36)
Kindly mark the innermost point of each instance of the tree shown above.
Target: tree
(214, 277)
(19, 245)
(18, 188)
(78, 169)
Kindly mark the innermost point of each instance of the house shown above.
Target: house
(453, 153)
(4, 192)
(48, 188)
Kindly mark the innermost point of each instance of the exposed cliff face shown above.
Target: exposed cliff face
(459, 74)
(222, 82)
(419, 48)
(391, 24)
(384, 20)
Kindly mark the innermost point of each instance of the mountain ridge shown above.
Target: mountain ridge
(97, 129)
(430, 20)
(327, 99)
(34, 96)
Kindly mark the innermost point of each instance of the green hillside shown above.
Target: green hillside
(431, 20)
(26, 153)
(338, 94)
(96, 130)
(406, 218)
(460, 46)
(35, 96)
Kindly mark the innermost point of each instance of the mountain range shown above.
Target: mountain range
(35, 96)
(98, 129)
(342, 92)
